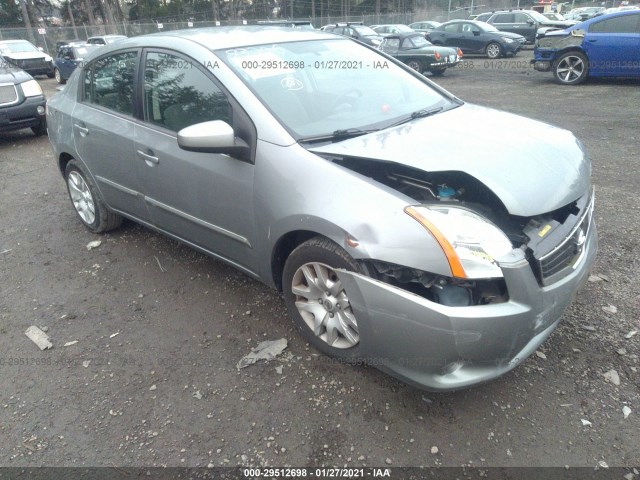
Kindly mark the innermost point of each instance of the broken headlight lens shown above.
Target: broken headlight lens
(470, 242)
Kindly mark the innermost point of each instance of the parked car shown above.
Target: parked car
(418, 53)
(424, 26)
(22, 103)
(300, 24)
(388, 29)
(603, 46)
(68, 58)
(472, 36)
(357, 31)
(27, 56)
(525, 23)
(584, 13)
(555, 16)
(398, 229)
(105, 39)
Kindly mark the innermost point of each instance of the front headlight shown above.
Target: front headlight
(48, 59)
(376, 42)
(470, 242)
(508, 40)
(31, 88)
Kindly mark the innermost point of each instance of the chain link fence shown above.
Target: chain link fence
(50, 37)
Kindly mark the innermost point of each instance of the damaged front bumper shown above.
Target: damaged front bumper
(442, 348)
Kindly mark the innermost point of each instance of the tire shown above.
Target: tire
(415, 65)
(493, 50)
(50, 74)
(438, 71)
(570, 68)
(59, 79)
(41, 129)
(335, 332)
(86, 200)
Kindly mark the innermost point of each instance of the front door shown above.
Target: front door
(203, 198)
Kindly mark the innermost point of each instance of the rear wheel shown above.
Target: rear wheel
(317, 300)
(571, 68)
(414, 64)
(494, 50)
(87, 202)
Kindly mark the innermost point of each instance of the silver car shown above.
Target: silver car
(400, 229)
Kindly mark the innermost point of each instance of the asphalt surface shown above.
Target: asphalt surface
(152, 379)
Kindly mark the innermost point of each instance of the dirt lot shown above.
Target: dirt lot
(153, 378)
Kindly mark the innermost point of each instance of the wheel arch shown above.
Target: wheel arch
(283, 247)
(569, 49)
(63, 161)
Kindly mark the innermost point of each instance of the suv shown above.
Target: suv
(355, 30)
(27, 56)
(22, 103)
(525, 22)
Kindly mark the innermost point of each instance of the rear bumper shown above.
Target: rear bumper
(442, 348)
(24, 115)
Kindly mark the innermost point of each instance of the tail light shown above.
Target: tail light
(459, 52)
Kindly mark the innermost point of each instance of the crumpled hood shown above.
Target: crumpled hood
(531, 166)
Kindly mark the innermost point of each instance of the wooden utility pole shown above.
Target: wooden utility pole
(73, 22)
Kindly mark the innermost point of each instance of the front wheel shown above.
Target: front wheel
(494, 50)
(87, 202)
(571, 68)
(50, 74)
(40, 129)
(58, 76)
(317, 300)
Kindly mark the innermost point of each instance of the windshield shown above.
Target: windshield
(366, 31)
(18, 47)
(403, 28)
(486, 27)
(538, 17)
(322, 86)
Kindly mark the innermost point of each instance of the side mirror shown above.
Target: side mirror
(530, 22)
(213, 137)
(41, 49)
(476, 32)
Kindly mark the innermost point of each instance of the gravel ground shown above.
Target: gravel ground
(152, 379)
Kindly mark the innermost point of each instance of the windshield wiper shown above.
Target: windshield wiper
(341, 134)
(418, 114)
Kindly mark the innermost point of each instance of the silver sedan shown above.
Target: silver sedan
(401, 230)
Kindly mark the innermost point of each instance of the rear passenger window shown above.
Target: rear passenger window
(178, 94)
(504, 18)
(623, 24)
(109, 82)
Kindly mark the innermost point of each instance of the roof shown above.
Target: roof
(215, 38)
(403, 35)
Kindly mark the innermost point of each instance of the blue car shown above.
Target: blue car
(605, 46)
(68, 58)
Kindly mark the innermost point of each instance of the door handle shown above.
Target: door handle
(84, 131)
(148, 158)
(592, 40)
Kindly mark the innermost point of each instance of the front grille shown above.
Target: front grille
(557, 263)
(8, 94)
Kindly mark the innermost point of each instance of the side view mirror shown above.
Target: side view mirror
(530, 22)
(213, 137)
(476, 32)
(41, 49)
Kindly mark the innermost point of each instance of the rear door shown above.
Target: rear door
(103, 129)
(613, 46)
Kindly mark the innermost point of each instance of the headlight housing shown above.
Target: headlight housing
(31, 88)
(508, 40)
(48, 59)
(470, 242)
